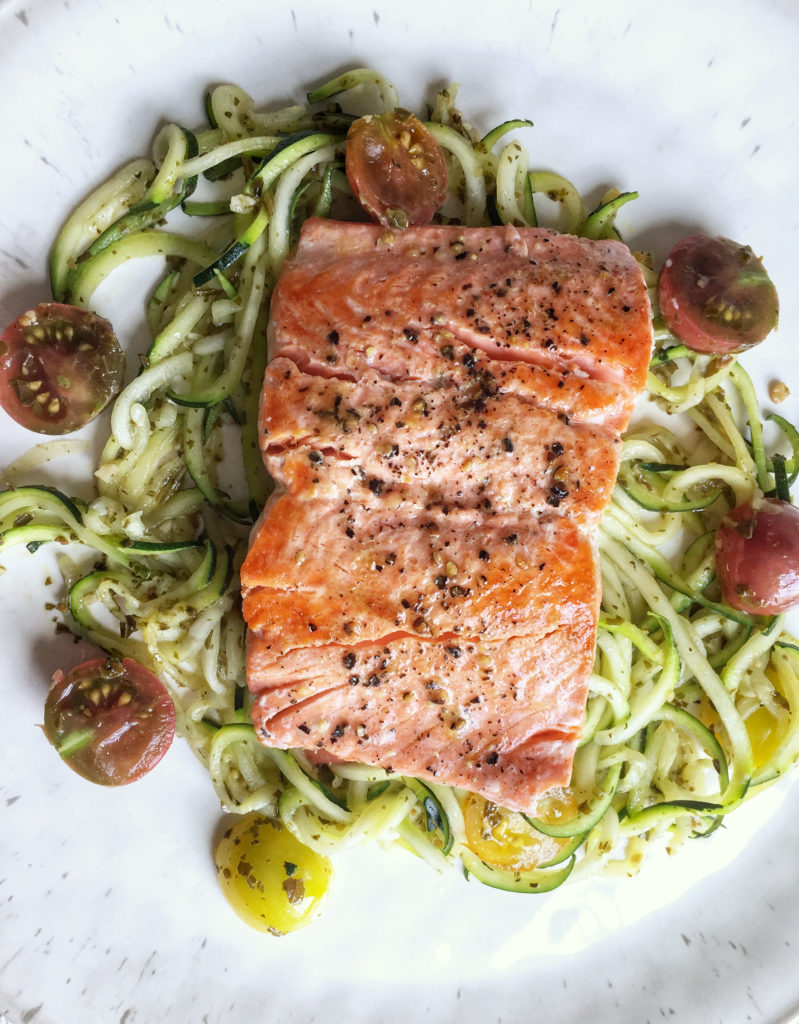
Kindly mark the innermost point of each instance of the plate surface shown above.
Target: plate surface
(109, 906)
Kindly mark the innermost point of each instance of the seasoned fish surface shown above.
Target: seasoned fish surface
(442, 416)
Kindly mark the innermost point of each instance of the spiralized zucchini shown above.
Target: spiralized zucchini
(693, 707)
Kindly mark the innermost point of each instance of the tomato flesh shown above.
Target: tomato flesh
(716, 296)
(757, 557)
(504, 839)
(273, 882)
(59, 367)
(396, 168)
(111, 721)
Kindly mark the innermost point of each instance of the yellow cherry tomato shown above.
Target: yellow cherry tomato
(272, 881)
(504, 839)
(765, 734)
(766, 731)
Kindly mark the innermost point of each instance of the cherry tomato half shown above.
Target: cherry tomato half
(273, 882)
(757, 557)
(110, 720)
(716, 296)
(503, 838)
(59, 367)
(395, 168)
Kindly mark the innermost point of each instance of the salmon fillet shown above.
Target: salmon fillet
(308, 582)
(446, 446)
(395, 301)
(441, 415)
(487, 715)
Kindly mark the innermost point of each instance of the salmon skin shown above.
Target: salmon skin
(442, 416)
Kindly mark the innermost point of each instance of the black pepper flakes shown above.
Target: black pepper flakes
(333, 337)
(484, 555)
(512, 538)
(507, 444)
(312, 627)
(349, 659)
(492, 758)
(354, 680)
(375, 485)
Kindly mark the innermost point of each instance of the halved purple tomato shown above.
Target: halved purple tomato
(396, 168)
(110, 720)
(59, 367)
(757, 557)
(716, 296)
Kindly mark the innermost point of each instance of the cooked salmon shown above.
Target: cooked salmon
(320, 572)
(442, 416)
(492, 716)
(395, 301)
(469, 446)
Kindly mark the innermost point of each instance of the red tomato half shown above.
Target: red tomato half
(110, 720)
(59, 367)
(716, 296)
(396, 168)
(757, 557)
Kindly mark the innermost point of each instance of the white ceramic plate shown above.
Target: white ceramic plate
(109, 907)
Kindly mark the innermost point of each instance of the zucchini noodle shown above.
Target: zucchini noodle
(693, 707)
